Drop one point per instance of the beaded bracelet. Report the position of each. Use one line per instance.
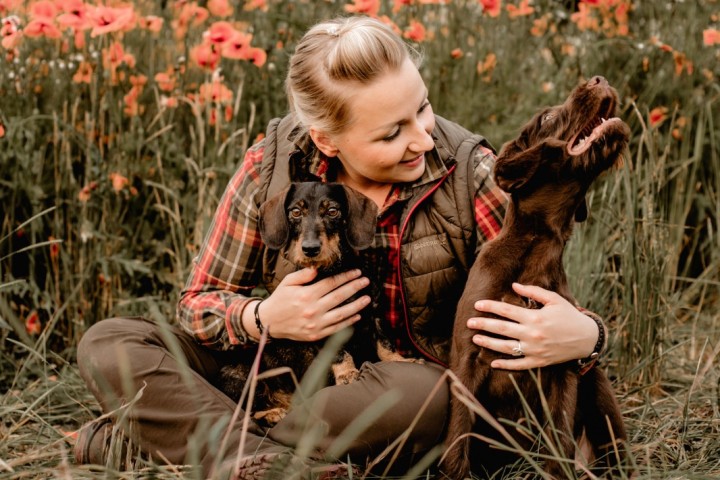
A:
(585, 364)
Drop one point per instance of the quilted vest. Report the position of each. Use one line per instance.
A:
(438, 228)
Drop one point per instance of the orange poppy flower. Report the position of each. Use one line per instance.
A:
(657, 116)
(238, 46)
(44, 9)
(251, 5)
(220, 8)
(2, 130)
(368, 7)
(42, 27)
(257, 56)
(522, 10)
(83, 73)
(75, 15)
(415, 32)
(32, 323)
(109, 19)
(152, 23)
(165, 81)
(220, 32)
(215, 92)
(711, 37)
(119, 181)
(205, 56)
(491, 7)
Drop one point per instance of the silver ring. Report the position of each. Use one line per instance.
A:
(518, 351)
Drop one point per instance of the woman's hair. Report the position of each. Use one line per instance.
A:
(330, 58)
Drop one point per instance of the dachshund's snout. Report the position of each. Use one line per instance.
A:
(311, 248)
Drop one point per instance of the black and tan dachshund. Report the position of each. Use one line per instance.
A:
(324, 226)
(546, 170)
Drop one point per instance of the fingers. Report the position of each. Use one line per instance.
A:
(537, 293)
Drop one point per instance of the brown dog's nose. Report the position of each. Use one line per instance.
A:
(597, 80)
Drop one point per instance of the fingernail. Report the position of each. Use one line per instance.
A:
(471, 323)
(366, 300)
(365, 282)
(479, 305)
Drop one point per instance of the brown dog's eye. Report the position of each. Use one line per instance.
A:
(547, 117)
(333, 212)
(295, 212)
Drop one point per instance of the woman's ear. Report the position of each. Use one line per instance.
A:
(323, 142)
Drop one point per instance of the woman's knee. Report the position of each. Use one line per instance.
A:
(108, 354)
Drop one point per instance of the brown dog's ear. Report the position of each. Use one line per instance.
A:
(362, 219)
(515, 167)
(581, 212)
(273, 222)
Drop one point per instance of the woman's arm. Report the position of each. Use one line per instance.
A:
(215, 306)
(556, 333)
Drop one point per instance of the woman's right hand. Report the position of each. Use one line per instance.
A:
(302, 312)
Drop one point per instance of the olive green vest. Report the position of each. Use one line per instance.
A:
(438, 228)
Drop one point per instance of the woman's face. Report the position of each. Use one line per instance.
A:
(389, 132)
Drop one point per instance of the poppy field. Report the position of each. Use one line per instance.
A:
(121, 123)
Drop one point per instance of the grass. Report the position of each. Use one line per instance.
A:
(109, 184)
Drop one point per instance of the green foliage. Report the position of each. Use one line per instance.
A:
(108, 186)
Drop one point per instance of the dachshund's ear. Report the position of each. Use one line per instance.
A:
(581, 212)
(273, 223)
(362, 219)
(516, 166)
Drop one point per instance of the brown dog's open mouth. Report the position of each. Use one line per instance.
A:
(594, 130)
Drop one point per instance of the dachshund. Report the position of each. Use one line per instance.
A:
(546, 171)
(324, 226)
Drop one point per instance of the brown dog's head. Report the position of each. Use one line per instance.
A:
(317, 224)
(562, 150)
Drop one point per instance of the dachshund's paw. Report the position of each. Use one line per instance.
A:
(347, 377)
(271, 416)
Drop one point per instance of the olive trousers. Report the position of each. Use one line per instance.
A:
(163, 383)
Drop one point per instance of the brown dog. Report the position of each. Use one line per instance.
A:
(323, 226)
(547, 170)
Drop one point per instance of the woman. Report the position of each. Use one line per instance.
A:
(360, 116)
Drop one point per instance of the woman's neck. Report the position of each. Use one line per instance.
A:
(377, 192)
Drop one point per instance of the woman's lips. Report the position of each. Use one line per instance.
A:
(413, 162)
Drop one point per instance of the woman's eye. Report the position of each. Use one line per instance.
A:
(392, 136)
(295, 212)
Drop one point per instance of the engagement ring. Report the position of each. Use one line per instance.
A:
(518, 351)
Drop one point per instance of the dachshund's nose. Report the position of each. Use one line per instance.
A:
(597, 80)
(311, 249)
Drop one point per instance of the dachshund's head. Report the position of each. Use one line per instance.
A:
(317, 224)
(562, 150)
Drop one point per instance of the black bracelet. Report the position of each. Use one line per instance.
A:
(258, 323)
(584, 364)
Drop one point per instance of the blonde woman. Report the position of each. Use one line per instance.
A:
(360, 115)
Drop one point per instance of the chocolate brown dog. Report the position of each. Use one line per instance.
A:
(323, 226)
(546, 170)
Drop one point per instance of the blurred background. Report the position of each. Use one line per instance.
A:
(120, 124)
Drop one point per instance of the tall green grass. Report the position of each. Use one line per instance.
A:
(75, 250)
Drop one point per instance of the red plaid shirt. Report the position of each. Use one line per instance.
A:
(228, 266)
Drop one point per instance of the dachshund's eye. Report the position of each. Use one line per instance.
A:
(295, 212)
(332, 212)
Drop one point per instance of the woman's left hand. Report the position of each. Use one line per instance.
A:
(556, 333)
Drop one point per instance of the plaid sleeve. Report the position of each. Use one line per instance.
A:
(228, 265)
(490, 200)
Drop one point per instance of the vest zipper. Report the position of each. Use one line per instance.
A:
(399, 268)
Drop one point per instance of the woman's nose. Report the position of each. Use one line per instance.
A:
(422, 140)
